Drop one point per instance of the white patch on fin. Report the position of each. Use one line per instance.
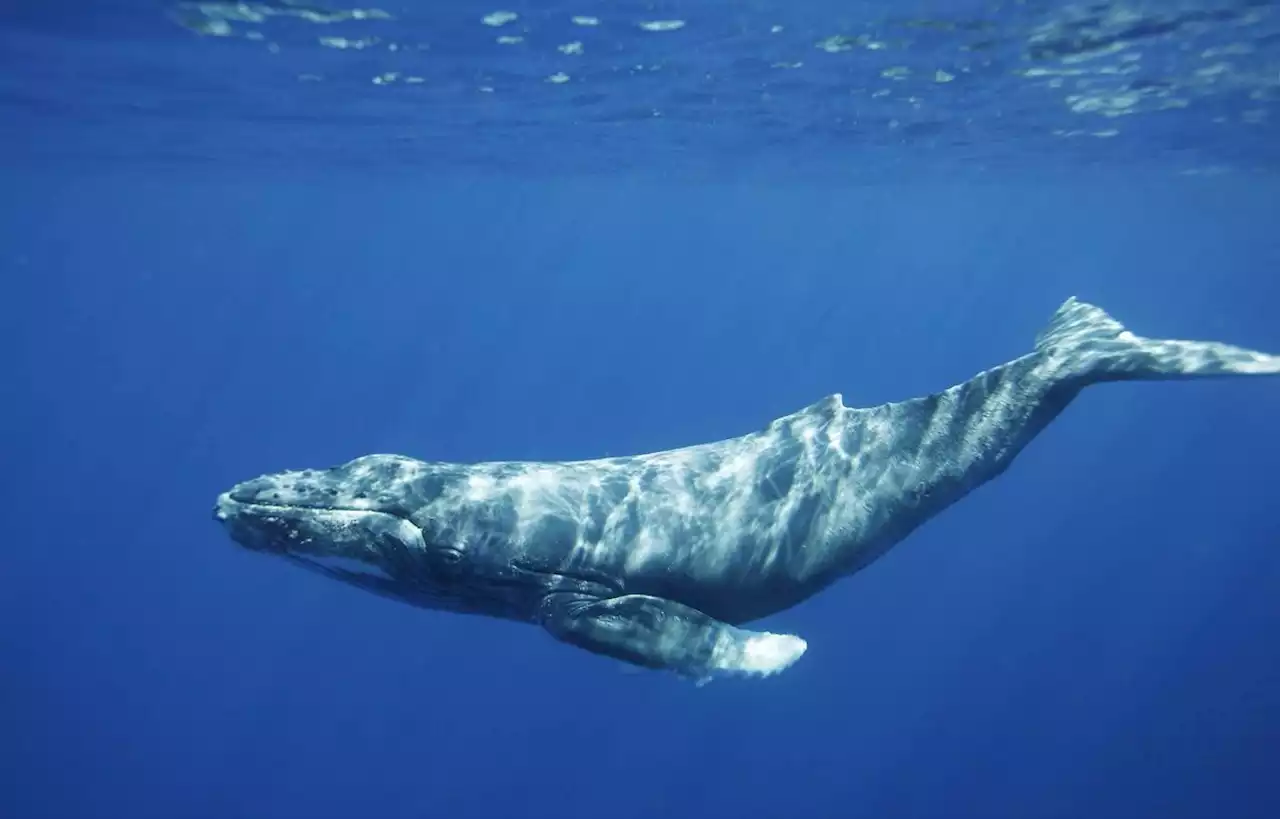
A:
(754, 654)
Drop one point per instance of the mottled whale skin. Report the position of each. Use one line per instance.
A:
(659, 559)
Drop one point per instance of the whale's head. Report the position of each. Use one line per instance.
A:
(359, 523)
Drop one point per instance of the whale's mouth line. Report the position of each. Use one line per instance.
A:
(227, 499)
(235, 513)
(298, 507)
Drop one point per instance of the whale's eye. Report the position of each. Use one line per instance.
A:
(451, 557)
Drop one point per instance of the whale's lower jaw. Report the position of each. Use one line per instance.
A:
(350, 542)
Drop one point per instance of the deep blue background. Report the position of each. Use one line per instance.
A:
(228, 255)
(1094, 634)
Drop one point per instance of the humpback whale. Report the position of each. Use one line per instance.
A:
(660, 559)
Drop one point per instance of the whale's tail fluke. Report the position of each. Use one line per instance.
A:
(1088, 344)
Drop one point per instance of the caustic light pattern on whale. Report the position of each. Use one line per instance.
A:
(659, 559)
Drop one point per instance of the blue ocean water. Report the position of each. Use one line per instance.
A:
(238, 238)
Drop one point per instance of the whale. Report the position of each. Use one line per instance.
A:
(663, 560)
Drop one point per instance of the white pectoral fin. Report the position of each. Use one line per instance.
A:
(656, 633)
(755, 653)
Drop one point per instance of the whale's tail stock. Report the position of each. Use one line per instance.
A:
(1088, 344)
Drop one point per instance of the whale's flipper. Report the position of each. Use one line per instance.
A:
(1089, 344)
(656, 633)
